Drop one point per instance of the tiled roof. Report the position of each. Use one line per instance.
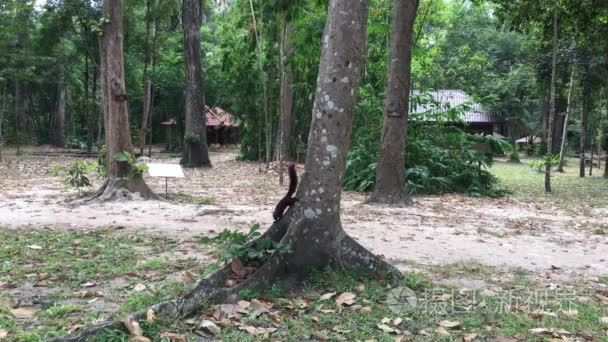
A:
(218, 117)
(448, 98)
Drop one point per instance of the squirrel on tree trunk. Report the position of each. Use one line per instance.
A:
(287, 201)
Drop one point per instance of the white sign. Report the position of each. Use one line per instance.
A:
(165, 170)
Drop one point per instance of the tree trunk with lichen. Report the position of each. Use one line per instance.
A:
(196, 151)
(122, 182)
(312, 228)
(390, 172)
(282, 149)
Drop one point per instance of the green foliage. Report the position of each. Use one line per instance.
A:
(514, 153)
(77, 174)
(235, 244)
(539, 165)
(137, 169)
(192, 139)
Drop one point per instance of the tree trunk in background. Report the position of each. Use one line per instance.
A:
(59, 127)
(283, 150)
(591, 157)
(560, 167)
(587, 103)
(196, 151)
(146, 82)
(19, 107)
(552, 105)
(390, 172)
(2, 112)
(122, 181)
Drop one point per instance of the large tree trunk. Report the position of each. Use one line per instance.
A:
(122, 182)
(552, 104)
(390, 172)
(560, 167)
(59, 127)
(587, 105)
(282, 149)
(196, 151)
(312, 228)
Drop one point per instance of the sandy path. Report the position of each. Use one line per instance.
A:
(436, 230)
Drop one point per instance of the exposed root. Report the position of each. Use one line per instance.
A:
(395, 199)
(124, 190)
(353, 257)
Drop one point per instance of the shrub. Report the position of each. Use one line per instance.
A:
(77, 174)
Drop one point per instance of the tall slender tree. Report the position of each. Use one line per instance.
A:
(390, 172)
(59, 127)
(147, 84)
(196, 151)
(552, 101)
(123, 181)
(560, 167)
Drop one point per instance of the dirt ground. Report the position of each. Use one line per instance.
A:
(436, 230)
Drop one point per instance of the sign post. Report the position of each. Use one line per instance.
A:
(165, 171)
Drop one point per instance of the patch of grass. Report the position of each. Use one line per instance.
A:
(189, 199)
(469, 269)
(71, 258)
(570, 192)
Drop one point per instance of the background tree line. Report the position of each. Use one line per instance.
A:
(260, 61)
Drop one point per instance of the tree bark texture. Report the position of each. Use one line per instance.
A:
(122, 182)
(560, 167)
(196, 151)
(390, 171)
(146, 82)
(587, 105)
(552, 101)
(59, 122)
(283, 150)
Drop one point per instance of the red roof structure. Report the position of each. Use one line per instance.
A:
(218, 117)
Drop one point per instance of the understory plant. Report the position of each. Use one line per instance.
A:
(235, 244)
(440, 156)
(77, 175)
(137, 169)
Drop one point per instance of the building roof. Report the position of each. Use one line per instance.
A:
(450, 98)
(218, 117)
(528, 139)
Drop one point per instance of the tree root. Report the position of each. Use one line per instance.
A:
(124, 190)
(347, 254)
(398, 200)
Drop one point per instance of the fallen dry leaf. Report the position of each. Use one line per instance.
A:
(36, 247)
(470, 337)
(300, 303)
(346, 298)
(132, 326)
(88, 284)
(327, 296)
(258, 304)
(360, 287)
(71, 328)
(397, 321)
(188, 277)
(139, 339)
(210, 327)
(385, 328)
(251, 330)
(385, 320)
(150, 316)
(3, 333)
(442, 332)
(23, 313)
(604, 321)
(570, 313)
(320, 335)
(139, 287)
(450, 324)
(505, 339)
(366, 309)
(174, 337)
(340, 330)
(240, 270)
